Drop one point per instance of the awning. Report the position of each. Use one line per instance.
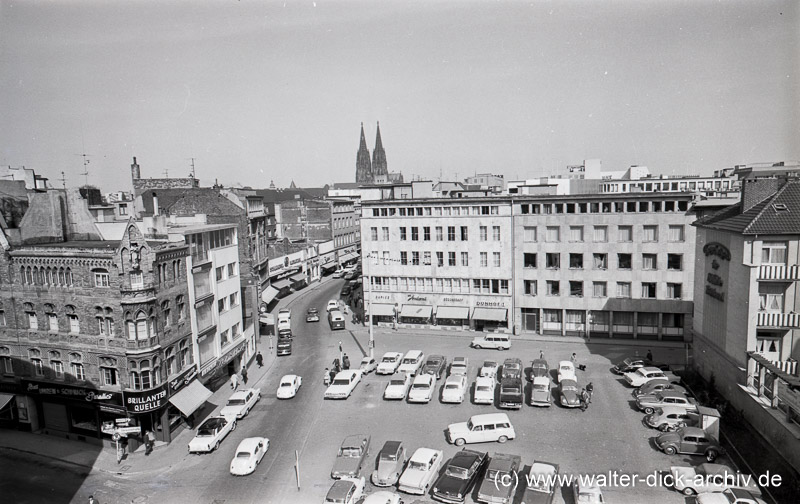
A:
(269, 294)
(348, 256)
(328, 266)
(452, 312)
(417, 311)
(267, 318)
(495, 314)
(382, 309)
(5, 399)
(281, 284)
(190, 398)
(297, 278)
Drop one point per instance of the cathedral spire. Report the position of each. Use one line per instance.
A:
(379, 156)
(363, 165)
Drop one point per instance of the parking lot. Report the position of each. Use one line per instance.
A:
(607, 439)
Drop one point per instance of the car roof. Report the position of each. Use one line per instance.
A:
(424, 378)
(339, 489)
(391, 447)
(455, 379)
(347, 374)
(512, 360)
(569, 381)
(413, 353)
(240, 394)
(538, 380)
(484, 380)
(389, 354)
(671, 393)
(435, 357)
(465, 458)
(490, 417)
(249, 444)
(649, 369)
(458, 360)
(542, 467)
(423, 454)
(502, 461)
(354, 441)
(565, 363)
(288, 377)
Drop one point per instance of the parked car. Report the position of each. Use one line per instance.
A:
(540, 391)
(332, 305)
(422, 389)
(389, 363)
(422, 469)
(494, 341)
(312, 315)
(343, 384)
(649, 403)
(284, 346)
(391, 460)
(383, 497)
(412, 362)
(566, 371)
(539, 488)
(729, 496)
(570, 394)
(289, 386)
(501, 468)
(338, 273)
(689, 441)
(645, 374)
(349, 275)
(240, 403)
(368, 365)
(709, 477)
(511, 393)
(539, 368)
(484, 390)
(454, 389)
(435, 365)
(668, 418)
(345, 290)
(248, 455)
(285, 327)
(398, 386)
(586, 494)
(459, 476)
(481, 429)
(489, 369)
(210, 433)
(512, 368)
(631, 364)
(459, 365)
(346, 491)
(285, 314)
(654, 386)
(351, 456)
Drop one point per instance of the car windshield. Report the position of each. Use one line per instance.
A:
(243, 454)
(351, 452)
(483, 388)
(341, 381)
(286, 384)
(457, 472)
(452, 386)
(205, 431)
(389, 359)
(235, 402)
(512, 366)
(539, 482)
(409, 361)
(511, 389)
(541, 386)
(495, 475)
(419, 466)
(420, 386)
(397, 382)
(389, 456)
(566, 368)
(568, 386)
(489, 364)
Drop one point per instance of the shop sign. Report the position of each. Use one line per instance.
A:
(66, 391)
(382, 297)
(111, 408)
(453, 300)
(414, 297)
(185, 378)
(223, 360)
(147, 401)
(714, 282)
(491, 304)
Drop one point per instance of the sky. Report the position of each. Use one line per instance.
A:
(261, 91)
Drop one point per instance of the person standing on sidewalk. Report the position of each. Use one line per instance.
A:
(149, 442)
(259, 359)
(327, 379)
(650, 355)
(244, 375)
(234, 381)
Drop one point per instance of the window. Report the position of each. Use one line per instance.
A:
(623, 289)
(415, 258)
(8, 364)
(234, 299)
(109, 375)
(599, 289)
(402, 233)
(52, 322)
(649, 261)
(625, 234)
(529, 260)
(675, 262)
(181, 307)
(648, 290)
(137, 280)
(385, 233)
(185, 354)
(58, 369)
(624, 261)
(674, 290)
(530, 287)
(496, 259)
(404, 258)
(2, 318)
(464, 233)
(100, 278)
(220, 273)
(414, 233)
(553, 288)
(426, 233)
(386, 257)
(439, 235)
(601, 234)
(76, 367)
(426, 258)
(33, 323)
(373, 233)
(464, 259)
(773, 253)
(576, 261)
(440, 258)
(231, 269)
(676, 233)
(451, 233)
(650, 233)
(496, 233)
(529, 234)
(484, 259)
(484, 233)
(576, 233)
(600, 261)
(552, 260)
(553, 234)
(770, 297)
(451, 258)
(222, 305)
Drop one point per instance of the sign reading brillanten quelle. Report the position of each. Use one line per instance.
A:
(146, 401)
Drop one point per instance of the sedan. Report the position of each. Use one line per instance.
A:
(383, 497)
(397, 388)
(346, 491)
(566, 370)
(435, 365)
(459, 476)
(368, 365)
(540, 391)
(332, 305)
(570, 395)
(351, 456)
(422, 389)
(501, 468)
(391, 460)
(654, 386)
(459, 365)
(343, 384)
(248, 455)
(454, 389)
(240, 403)
(587, 494)
(489, 369)
(338, 273)
(389, 363)
(540, 483)
(484, 390)
(711, 478)
(512, 368)
(312, 315)
(289, 386)
(649, 403)
(633, 363)
(539, 368)
(729, 496)
(422, 468)
(690, 441)
(647, 374)
(210, 433)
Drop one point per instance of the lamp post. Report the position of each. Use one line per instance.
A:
(368, 300)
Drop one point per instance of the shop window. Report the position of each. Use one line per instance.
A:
(83, 418)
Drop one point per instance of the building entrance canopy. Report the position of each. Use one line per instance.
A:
(190, 398)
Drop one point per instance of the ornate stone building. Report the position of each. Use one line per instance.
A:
(375, 171)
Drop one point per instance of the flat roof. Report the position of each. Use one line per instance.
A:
(200, 228)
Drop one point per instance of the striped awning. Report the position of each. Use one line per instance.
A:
(493, 314)
(348, 256)
(416, 311)
(452, 312)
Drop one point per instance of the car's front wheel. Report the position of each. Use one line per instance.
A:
(648, 411)
(711, 455)
(460, 442)
(478, 347)
(216, 446)
(670, 450)
(502, 439)
(233, 427)
(688, 491)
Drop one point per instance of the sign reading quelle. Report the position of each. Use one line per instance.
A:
(147, 401)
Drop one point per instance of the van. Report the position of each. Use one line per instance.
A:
(335, 319)
(411, 362)
(481, 429)
(495, 341)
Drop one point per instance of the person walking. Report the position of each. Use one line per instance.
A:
(327, 379)
(574, 358)
(260, 359)
(541, 354)
(650, 355)
(584, 400)
(345, 362)
(589, 391)
(244, 375)
(149, 442)
(332, 375)
(234, 381)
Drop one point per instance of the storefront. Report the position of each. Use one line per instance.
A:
(383, 314)
(187, 396)
(348, 257)
(327, 263)
(489, 319)
(213, 375)
(8, 414)
(416, 314)
(452, 316)
(149, 408)
(298, 281)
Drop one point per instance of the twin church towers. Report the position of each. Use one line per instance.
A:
(374, 171)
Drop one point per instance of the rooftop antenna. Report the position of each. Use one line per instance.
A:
(192, 160)
(84, 156)
(63, 180)
(166, 172)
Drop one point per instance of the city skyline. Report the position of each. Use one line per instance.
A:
(263, 92)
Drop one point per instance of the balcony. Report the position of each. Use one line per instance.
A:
(778, 320)
(779, 273)
(141, 344)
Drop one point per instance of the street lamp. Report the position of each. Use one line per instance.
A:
(369, 312)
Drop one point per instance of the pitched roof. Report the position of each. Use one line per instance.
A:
(778, 214)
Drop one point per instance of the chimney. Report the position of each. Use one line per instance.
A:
(756, 190)
(135, 172)
(155, 204)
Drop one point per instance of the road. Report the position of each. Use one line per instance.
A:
(33, 479)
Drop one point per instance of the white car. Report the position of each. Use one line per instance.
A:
(484, 390)
(454, 389)
(289, 386)
(489, 369)
(368, 365)
(421, 471)
(711, 478)
(422, 389)
(647, 374)
(211, 433)
(343, 384)
(412, 362)
(389, 363)
(346, 491)
(585, 494)
(459, 365)
(338, 273)
(248, 455)
(729, 496)
(240, 403)
(383, 497)
(284, 325)
(332, 305)
(566, 370)
(397, 387)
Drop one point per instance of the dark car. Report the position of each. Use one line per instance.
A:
(345, 291)
(312, 315)
(512, 368)
(631, 364)
(459, 476)
(539, 368)
(501, 468)
(284, 346)
(540, 484)
(511, 395)
(690, 441)
(435, 365)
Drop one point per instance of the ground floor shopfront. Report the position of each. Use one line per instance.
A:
(621, 324)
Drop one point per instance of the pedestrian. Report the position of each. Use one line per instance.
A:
(327, 379)
(260, 359)
(650, 355)
(584, 400)
(333, 375)
(345, 362)
(541, 354)
(92, 500)
(574, 358)
(590, 391)
(336, 366)
(234, 381)
(150, 441)
(244, 375)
